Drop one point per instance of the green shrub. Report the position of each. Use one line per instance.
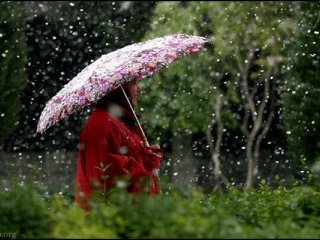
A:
(254, 213)
(72, 222)
(24, 213)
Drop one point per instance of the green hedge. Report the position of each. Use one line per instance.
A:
(255, 213)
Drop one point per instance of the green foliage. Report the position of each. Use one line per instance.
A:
(182, 93)
(253, 27)
(186, 92)
(71, 222)
(301, 89)
(13, 59)
(254, 213)
(315, 174)
(24, 212)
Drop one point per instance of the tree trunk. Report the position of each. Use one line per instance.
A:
(252, 160)
(260, 126)
(215, 146)
(184, 167)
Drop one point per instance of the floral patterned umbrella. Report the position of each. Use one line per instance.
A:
(136, 61)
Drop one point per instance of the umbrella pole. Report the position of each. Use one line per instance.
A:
(135, 116)
(155, 171)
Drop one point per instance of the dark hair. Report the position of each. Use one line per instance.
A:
(116, 96)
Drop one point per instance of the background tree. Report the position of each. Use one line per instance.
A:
(13, 60)
(301, 88)
(227, 92)
(255, 55)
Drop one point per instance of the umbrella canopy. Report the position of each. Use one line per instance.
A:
(133, 62)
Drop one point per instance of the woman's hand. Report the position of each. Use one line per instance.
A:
(155, 147)
(156, 150)
(152, 157)
(155, 173)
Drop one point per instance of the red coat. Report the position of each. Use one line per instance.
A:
(108, 143)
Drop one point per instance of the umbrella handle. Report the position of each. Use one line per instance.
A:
(135, 116)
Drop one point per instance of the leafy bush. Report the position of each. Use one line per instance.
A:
(24, 212)
(255, 213)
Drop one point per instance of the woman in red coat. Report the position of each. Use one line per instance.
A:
(111, 147)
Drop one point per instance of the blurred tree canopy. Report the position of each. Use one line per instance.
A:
(239, 76)
(301, 90)
(196, 80)
(13, 60)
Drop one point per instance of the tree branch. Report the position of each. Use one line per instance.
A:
(244, 70)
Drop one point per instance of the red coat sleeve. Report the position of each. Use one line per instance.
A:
(141, 164)
(152, 158)
(105, 158)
